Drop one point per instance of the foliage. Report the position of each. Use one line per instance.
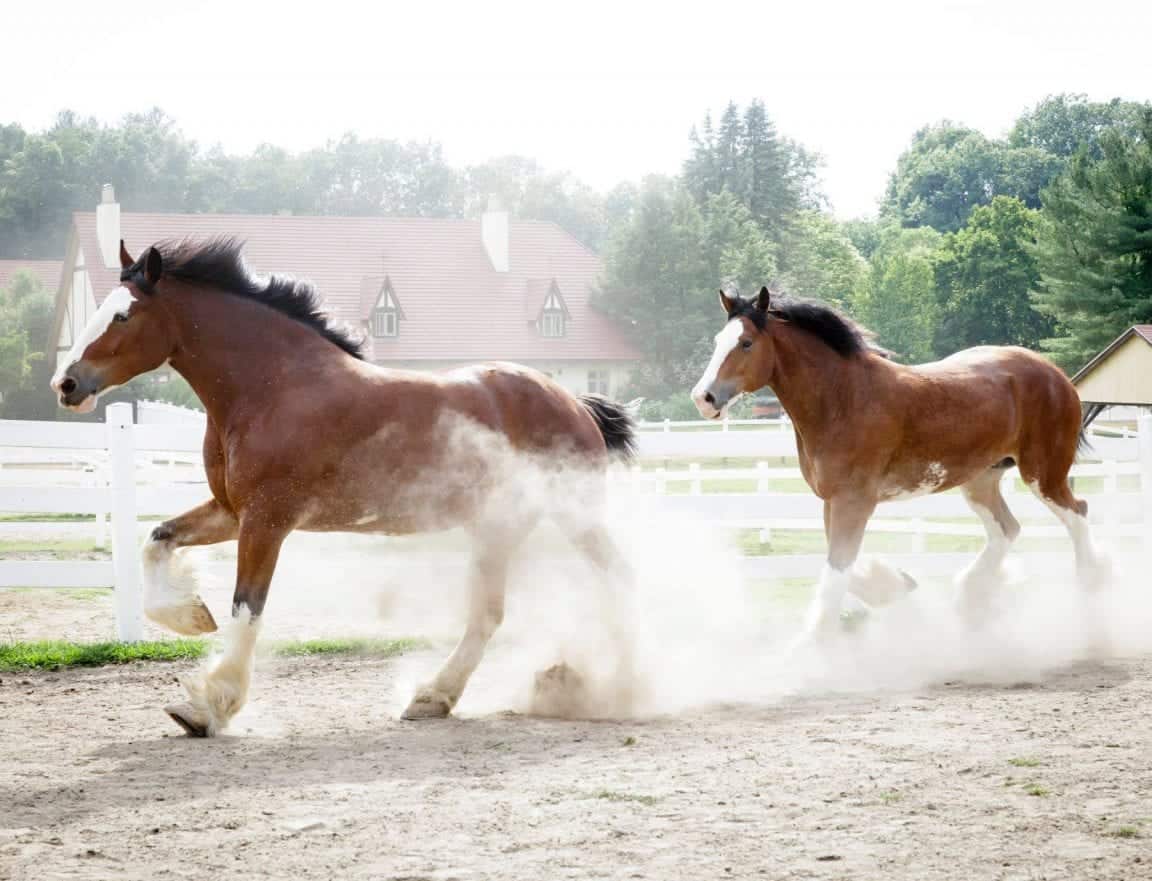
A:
(948, 170)
(984, 276)
(25, 364)
(45, 176)
(1064, 124)
(1094, 246)
(820, 261)
(897, 301)
(662, 272)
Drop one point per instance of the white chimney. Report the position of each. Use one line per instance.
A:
(494, 233)
(108, 227)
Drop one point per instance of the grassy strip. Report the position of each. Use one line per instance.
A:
(56, 654)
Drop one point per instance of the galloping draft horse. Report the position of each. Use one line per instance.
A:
(304, 434)
(869, 430)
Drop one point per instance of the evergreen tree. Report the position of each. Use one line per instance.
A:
(1094, 246)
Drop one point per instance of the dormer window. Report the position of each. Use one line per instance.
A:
(386, 315)
(552, 316)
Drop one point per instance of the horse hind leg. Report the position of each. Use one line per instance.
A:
(488, 574)
(984, 573)
(171, 592)
(1093, 571)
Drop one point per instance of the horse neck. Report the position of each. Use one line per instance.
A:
(812, 381)
(233, 351)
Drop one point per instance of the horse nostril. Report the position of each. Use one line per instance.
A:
(710, 399)
(67, 385)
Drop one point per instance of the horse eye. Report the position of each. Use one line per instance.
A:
(120, 316)
(745, 345)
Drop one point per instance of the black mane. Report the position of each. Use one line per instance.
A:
(839, 332)
(218, 263)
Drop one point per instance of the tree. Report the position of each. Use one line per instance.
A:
(820, 261)
(773, 177)
(662, 271)
(984, 276)
(949, 170)
(1064, 124)
(1094, 245)
(897, 301)
(25, 368)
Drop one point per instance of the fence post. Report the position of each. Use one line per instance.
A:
(125, 565)
(1144, 439)
(694, 474)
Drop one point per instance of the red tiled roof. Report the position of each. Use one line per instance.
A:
(456, 306)
(47, 271)
(1145, 330)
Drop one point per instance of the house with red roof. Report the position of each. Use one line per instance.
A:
(427, 292)
(1121, 374)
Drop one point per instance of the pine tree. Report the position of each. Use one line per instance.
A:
(729, 141)
(1094, 246)
(765, 184)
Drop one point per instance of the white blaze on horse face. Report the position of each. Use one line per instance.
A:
(117, 302)
(726, 341)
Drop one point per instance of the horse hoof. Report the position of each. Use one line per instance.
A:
(427, 705)
(192, 720)
(191, 619)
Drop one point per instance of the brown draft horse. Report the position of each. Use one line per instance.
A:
(304, 434)
(869, 430)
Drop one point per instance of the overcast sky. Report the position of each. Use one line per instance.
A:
(608, 91)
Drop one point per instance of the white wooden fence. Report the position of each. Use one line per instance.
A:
(114, 469)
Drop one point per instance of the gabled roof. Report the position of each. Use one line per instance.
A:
(47, 272)
(1142, 331)
(536, 295)
(457, 307)
(371, 291)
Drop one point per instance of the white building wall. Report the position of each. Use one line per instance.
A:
(81, 307)
(572, 375)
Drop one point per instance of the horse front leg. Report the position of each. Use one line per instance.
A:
(845, 520)
(171, 592)
(221, 689)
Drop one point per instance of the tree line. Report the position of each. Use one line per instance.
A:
(1042, 238)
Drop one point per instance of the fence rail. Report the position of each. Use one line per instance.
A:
(120, 470)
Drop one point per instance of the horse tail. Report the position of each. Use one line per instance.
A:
(615, 422)
(1088, 413)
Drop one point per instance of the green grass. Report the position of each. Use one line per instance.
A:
(1024, 763)
(1126, 832)
(56, 654)
(376, 648)
(891, 797)
(1035, 789)
(613, 795)
(47, 518)
(56, 546)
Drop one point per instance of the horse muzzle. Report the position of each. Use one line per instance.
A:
(713, 402)
(76, 389)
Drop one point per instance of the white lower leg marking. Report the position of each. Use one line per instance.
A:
(995, 547)
(1091, 566)
(824, 611)
(222, 690)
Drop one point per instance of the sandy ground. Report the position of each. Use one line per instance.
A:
(323, 782)
(915, 751)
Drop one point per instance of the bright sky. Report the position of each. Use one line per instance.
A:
(608, 91)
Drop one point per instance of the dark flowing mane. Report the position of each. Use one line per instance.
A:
(218, 262)
(839, 332)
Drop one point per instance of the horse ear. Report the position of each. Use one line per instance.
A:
(153, 266)
(764, 300)
(727, 302)
(125, 258)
